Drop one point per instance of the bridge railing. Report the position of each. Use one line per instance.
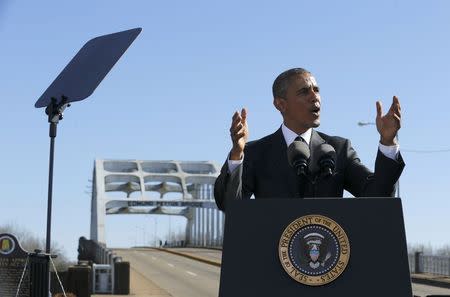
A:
(90, 250)
(419, 263)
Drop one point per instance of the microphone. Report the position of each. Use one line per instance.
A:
(326, 156)
(298, 155)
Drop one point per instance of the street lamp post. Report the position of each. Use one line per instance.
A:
(362, 124)
(156, 229)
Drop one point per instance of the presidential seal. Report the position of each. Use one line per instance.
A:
(314, 250)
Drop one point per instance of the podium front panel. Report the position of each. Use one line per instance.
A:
(378, 262)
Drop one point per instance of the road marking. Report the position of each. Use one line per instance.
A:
(171, 265)
(191, 273)
(154, 258)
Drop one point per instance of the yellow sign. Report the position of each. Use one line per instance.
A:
(7, 245)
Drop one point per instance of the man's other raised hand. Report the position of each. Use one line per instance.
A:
(389, 124)
(239, 134)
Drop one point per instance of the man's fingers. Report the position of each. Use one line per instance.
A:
(244, 114)
(236, 119)
(395, 101)
(240, 135)
(238, 127)
(235, 115)
(379, 109)
(395, 106)
(398, 119)
(235, 122)
(397, 112)
(235, 129)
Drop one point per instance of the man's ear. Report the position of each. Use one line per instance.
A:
(279, 104)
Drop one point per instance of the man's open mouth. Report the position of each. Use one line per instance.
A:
(316, 111)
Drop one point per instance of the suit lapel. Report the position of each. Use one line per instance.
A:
(281, 164)
(314, 144)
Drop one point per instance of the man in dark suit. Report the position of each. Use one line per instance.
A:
(261, 168)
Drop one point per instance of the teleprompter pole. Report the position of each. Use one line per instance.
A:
(55, 113)
(50, 187)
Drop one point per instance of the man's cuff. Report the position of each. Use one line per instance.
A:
(233, 164)
(390, 151)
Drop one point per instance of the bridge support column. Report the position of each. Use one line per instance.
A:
(98, 209)
(189, 226)
(197, 226)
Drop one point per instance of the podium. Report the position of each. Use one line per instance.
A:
(315, 248)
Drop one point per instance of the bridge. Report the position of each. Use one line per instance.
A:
(173, 188)
(176, 188)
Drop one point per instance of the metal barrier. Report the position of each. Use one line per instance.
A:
(435, 265)
(419, 263)
(412, 267)
(122, 278)
(39, 274)
(90, 250)
(102, 278)
(79, 280)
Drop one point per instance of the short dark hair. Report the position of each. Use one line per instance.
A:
(281, 83)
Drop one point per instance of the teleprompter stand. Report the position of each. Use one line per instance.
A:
(251, 259)
(76, 82)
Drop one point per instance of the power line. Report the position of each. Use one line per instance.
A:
(425, 151)
(447, 150)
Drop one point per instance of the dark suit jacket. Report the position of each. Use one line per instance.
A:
(266, 173)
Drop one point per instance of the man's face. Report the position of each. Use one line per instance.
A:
(301, 107)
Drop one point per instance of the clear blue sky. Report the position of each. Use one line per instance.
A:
(172, 94)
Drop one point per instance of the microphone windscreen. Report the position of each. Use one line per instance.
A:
(322, 152)
(326, 150)
(297, 150)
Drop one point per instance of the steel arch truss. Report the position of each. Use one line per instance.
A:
(158, 187)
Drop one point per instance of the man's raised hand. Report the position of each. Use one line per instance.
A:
(239, 134)
(389, 124)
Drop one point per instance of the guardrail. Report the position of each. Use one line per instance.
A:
(419, 263)
(90, 250)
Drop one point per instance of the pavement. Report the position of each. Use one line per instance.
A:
(140, 286)
(207, 256)
(431, 280)
(211, 257)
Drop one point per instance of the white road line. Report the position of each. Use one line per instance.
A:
(154, 258)
(191, 273)
(171, 265)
